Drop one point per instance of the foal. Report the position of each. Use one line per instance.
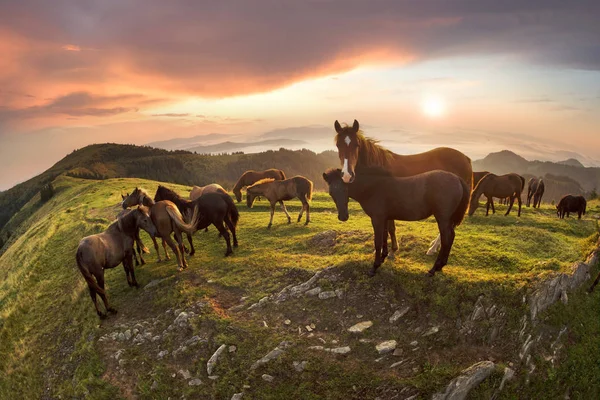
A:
(277, 191)
(384, 198)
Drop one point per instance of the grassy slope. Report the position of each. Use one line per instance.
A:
(49, 332)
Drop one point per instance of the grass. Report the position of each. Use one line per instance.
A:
(49, 331)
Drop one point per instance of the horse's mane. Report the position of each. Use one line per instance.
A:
(261, 181)
(478, 188)
(370, 151)
(374, 170)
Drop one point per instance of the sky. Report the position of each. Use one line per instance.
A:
(477, 75)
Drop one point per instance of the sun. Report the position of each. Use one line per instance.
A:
(433, 106)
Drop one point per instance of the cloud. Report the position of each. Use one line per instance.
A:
(172, 115)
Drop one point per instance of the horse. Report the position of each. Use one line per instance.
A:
(251, 177)
(110, 248)
(477, 175)
(492, 185)
(385, 198)
(138, 241)
(535, 190)
(355, 151)
(213, 208)
(569, 204)
(277, 191)
(167, 219)
(198, 191)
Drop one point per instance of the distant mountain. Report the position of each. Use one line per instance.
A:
(572, 162)
(188, 142)
(256, 146)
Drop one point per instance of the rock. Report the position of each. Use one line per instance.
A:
(414, 343)
(268, 378)
(155, 338)
(308, 328)
(397, 352)
(509, 374)
(327, 295)
(154, 283)
(339, 293)
(396, 364)
(365, 340)
(563, 297)
(287, 322)
(162, 354)
(469, 378)
(324, 239)
(316, 348)
(118, 354)
(121, 337)
(314, 291)
(182, 319)
(213, 377)
(154, 385)
(273, 354)
(298, 290)
(341, 350)
(122, 362)
(399, 314)
(195, 382)
(237, 396)
(212, 362)
(479, 309)
(299, 365)
(386, 347)
(431, 331)
(185, 374)
(360, 327)
(232, 349)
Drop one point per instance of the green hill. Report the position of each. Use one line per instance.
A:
(52, 345)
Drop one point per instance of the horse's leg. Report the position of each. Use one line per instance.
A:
(287, 214)
(594, 284)
(95, 301)
(512, 200)
(168, 240)
(192, 249)
(225, 234)
(519, 201)
(134, 255)
(272, 212)
(392, 232)
(384, 251)
(156, 248)
(164, 244)
(231, 227)
(308, 216)
(301, 210)
(447, 237)
(131, 269)
(378, 229)
(100, 280)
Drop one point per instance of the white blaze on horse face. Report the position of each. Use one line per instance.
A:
(345, 173)
(347, 140)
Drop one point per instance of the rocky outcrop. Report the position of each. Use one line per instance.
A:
(469, 378)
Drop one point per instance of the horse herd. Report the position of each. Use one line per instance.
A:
(388, 187)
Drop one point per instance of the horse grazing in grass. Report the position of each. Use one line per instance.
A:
(535, 191)
(212, 208)
(478, 175)
(356, 151)
(198, 191)
(250, 177)
(571, 204)
(387, 198)
(278, 191)
(492, 185)
(109, 249)
(167, 219)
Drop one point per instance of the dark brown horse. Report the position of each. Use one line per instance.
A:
(214, 208)
(535, 191)
(384, 198)
(167, 219)
(355, 150)
(571, 204)
(477, 175)
(251, 177)
(278, 191)
(492, 185)
(109, 249)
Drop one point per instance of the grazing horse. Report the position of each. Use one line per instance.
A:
(477, 175)
(492, 185)
(384, 197)
(535, 190)
(277, 191)
(355, 151)
(167, 219)
(109, 249)
(251, 177)
(198, 191)
(213, 208)
(569, 204)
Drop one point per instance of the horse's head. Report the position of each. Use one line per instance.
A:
(136, 197)
(346, 141)
(238, 195)
(473, 204)
(144, 221)
(338, 191)
(251, 195)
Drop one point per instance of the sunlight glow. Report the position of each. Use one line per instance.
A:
(433, 106)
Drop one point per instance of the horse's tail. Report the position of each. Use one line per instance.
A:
(310, 190)
(461, 209)
(87, 275)
(282, 175)
(177, 219)
(522, 182)
(232, 210)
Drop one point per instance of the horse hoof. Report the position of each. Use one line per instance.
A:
(289, 221)
(228, 253)
(431, 273)
(306, 223)
(371, 273)
(269, 226)
(235, 244)
(102, 316)
(112, 310)
(192, 253)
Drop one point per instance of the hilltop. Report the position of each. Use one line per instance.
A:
(287, 297)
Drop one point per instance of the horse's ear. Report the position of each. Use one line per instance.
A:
(338, 127)
(325, 177)
(123, 196)
(355, 126)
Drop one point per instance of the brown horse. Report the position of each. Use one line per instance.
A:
(251, 177)
(167, 219)
(477, 175)
(213, 208)
(198, 191)
(355, 150)
(571, 204)
(277, 191)
(384, 198)
(492, 185)
(109, 249)
(535, 191)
